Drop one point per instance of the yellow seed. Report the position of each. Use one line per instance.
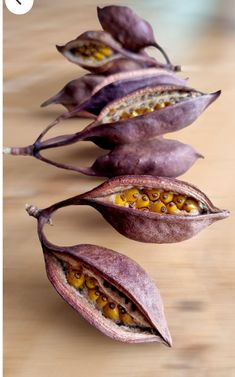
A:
(125, 317)
(168, 103)
(142, 201)
(134, 113)
(158, 207)
(141, 111)
(101, 301)
(179, 200)
(91, 282)
(153, 194)
(191, 206)
(110, 310)
(75, 278)
(172, 208)
(131, 195)
(93, 294)
(125, 115)
(166, 197)
(120, 200)
(106, 51)
(98, 56)
(159, 106)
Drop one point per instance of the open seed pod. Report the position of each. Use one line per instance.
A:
(142, 115)
(111, 291)
(156, 157)
(133, 32)
(152, 209)
(96, 51)
(91, 93)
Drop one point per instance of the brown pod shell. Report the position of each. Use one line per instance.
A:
(149, 125)
(98, 66)
(133, 32)
(116, 269)
(91, 93)
(76, 92)
(147, 226)
(157, 157)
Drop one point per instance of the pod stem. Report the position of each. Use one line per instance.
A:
(176, 68)
(19, 151)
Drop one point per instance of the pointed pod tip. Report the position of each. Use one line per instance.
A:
(59, 48)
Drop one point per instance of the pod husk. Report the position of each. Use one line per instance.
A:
(89, 94)
(132, 31)
(149, 226)
(120, 52)
(118, 270)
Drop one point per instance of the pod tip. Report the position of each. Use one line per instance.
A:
(59, 48)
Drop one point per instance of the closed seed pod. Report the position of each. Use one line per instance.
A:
(122, 284)
(76, 92)
(91, 93)
(154, 225)
(133, 32)
(97, 51)
(157, 157)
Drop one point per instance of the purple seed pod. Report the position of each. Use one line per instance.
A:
(156, 157)
(152, 209)
(108, 289)
(141, 115)
(96, 51)
(91, 93)
(133, 32)
(76, 92)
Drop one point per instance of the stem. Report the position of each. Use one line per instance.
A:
(19, 151)
(176, 68)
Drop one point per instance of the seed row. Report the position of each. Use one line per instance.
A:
(147, 104)
(90, 287)
(94, 51)
(159, 201)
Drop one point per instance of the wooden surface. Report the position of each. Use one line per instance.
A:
(43, 335)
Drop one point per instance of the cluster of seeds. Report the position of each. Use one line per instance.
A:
(92, 51)
(99, 294)
(147, 103)
(159, 201)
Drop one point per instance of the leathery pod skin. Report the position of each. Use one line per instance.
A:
(114, 127)
(97, 51)
(152, 224)
(122, 278)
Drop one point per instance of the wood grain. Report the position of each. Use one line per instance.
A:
(45, 337)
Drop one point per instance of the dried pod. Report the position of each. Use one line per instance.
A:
(141, 115)
(111, 291)
(91, 93)
(96, 51)
(176, 210)
(156, 157)
(133, 32)
(76, 92)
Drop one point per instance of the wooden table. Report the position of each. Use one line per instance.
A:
(43, 335)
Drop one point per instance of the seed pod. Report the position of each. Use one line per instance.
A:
(133, 32)
(91, 93)
(153, 225)
(124, 286)
(96, 51)
(157, 157)
(76, 92)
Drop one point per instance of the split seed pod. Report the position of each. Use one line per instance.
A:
(133, 32)
(89, 94)
(111, 291)
(156, 157)
(151, 209)
(96, 51)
